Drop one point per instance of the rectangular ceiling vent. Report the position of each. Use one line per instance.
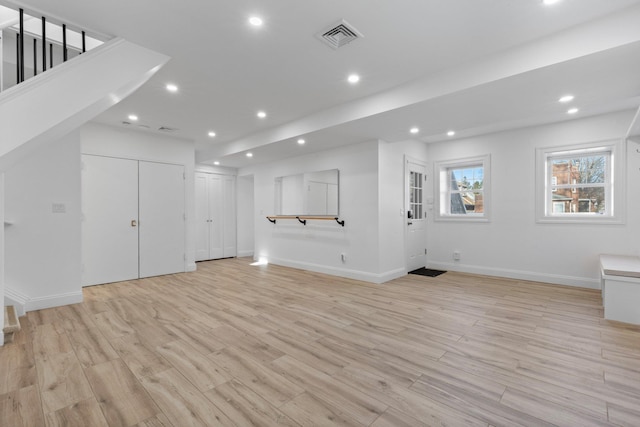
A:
(339, 34)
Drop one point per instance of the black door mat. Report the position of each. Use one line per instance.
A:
(427, 272)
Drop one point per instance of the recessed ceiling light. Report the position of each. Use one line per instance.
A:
(572, 111)
(171, 87)
(211, 134)
(261, 114)
(301, 141)
(566, 98)
(414, 130)
(451, 133)
(249, 154)
(353, 78)
(133, 117)
(256, 21)
(550, 2)
(217, 163)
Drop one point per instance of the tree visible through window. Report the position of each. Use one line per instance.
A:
(579, 183)
(463, 189)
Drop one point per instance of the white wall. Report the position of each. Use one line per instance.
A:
(318, 245)
(246, 215)
(43, 259)
(513, 244)
(103, 140)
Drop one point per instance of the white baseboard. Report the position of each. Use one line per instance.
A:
(247, 253)
(16, 299)
(24, 303)
(580, 282)
(54, 301)
(341, 272)
(191, 267)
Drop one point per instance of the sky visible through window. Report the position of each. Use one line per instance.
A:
(471, 177)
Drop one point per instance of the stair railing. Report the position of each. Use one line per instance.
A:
(50, 43)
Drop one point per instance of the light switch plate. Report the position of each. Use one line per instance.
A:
(58, 208)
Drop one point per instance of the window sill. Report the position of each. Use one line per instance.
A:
(581, 220)
(461, 218)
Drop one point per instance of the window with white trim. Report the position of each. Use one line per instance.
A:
(462, 188)
(580, 183)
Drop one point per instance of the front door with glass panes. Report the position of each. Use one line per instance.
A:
(415, 217)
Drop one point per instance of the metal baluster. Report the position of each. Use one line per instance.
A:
(35, 57)
(64, 43)
(44, 44)
(21, 44)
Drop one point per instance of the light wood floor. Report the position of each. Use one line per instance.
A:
(234, 344)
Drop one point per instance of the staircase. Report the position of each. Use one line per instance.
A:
(11, 323)
(45, 106)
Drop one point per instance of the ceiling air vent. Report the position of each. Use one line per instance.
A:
(166, 129)
(339, 34)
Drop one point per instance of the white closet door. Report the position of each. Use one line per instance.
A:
(110, 215)
(202, 216)
(216, 206)
(162, 220)
(229, 217)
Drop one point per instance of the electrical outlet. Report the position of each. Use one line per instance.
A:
(456, 255)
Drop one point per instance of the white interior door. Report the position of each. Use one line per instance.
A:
(215, 216)
(110, 215)
(162, 219)
(216, 204)
(416, 230)
(203, 219)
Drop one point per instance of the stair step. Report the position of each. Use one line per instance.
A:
(11, 323)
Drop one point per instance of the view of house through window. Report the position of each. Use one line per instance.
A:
(467, 190)
(579, 183)
(464, 189)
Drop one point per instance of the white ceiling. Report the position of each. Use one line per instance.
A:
(475, 66)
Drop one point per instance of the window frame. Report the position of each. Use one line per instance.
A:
(442, 189)
(614, 185)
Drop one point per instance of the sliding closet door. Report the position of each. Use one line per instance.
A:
(110, 216)
(162, 219)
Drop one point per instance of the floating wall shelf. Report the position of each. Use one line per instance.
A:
(303, 218)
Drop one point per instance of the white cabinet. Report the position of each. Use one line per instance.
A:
(133, 219)
(620, 280)
(215, 216)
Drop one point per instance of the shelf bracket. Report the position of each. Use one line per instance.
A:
(340, 222)
(272, 220)
(302, 221)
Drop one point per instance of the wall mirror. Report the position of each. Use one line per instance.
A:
(309, 193)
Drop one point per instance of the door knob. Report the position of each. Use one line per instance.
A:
(134, 223)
